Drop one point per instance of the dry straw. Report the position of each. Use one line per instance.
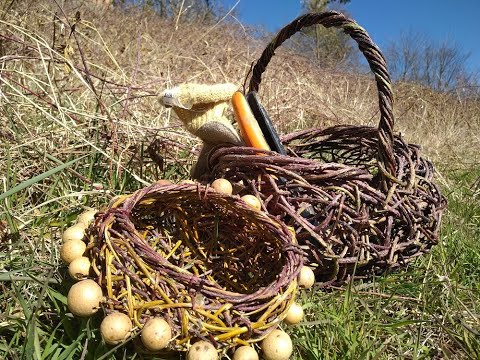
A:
(360, 199)
(211, 266)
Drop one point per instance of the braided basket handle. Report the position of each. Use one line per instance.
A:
(386, 160)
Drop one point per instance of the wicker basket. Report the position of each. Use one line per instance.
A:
(361, 200)
(210, 265)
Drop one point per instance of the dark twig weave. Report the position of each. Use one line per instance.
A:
(359, 197)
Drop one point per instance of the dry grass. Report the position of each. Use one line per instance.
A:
(121, 60)
(312, 97)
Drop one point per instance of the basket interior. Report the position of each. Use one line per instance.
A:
(214, 240)
(349, 145)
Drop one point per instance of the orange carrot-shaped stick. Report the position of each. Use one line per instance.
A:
(249, 128)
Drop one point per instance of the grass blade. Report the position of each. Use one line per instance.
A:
(38, 178)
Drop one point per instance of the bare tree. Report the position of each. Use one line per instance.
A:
(183, 10)
(329, 47)
(441, 66)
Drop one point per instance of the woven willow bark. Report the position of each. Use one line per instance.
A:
(361, 200)
(211, 266)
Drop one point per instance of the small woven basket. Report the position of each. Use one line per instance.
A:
(210, 265)
(361, 200)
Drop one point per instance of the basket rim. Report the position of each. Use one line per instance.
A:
(125, 205)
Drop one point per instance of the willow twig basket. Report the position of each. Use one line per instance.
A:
(360, 198)
(210, 265)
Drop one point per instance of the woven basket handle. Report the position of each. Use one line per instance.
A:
(386, 160)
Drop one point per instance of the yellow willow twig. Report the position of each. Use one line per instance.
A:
(118, 200)
(94, 266)
(186, 229)
(108, 273)
(121, 294)
(241, 342)
(185, 321)
(129, 297)
(160, 305)
(238, 331)
(225, 307)
(143, 267)
(210, 316)
(280, 300)
(177, 245)
(108, 241)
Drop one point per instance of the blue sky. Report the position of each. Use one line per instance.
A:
(385, 20)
